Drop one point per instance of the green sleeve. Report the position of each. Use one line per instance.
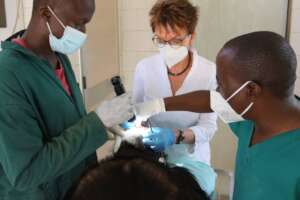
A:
(28, 162)
(26, 159)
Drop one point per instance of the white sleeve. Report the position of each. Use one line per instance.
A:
(207, 124)
(138, 85)
(205, 129)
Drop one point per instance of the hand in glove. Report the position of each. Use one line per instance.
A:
(145, 110)
(158, 139)
(115, 111)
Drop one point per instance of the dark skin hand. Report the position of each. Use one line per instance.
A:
(74, 13)
(272, 116)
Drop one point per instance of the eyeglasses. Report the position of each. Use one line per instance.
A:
(175, 43)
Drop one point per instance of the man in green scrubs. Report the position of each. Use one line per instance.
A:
(256, 73)
(46, 137)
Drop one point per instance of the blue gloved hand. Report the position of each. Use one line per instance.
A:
(158, 139)
(127, 125)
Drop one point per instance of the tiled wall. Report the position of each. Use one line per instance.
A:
(135, 36)
(27, 10)
(295, 36)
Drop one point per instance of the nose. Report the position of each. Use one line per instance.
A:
(169, 36)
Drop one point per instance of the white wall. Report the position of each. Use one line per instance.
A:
(295, 36)
(11, 13)
(135, 36)
(218, 23)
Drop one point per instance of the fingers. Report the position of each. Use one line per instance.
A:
(116, 130)
(149, 142)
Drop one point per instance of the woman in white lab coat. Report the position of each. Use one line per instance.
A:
(176, 70)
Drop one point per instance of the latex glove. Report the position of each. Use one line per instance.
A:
(115, 111)
(132, 135)
(159, 139)
(144, 110)
(127, 125)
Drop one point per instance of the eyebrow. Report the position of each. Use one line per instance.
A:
(175, 38)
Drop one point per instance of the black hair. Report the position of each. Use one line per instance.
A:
(123, 177)
(266, 58)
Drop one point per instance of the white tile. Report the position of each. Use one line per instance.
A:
(75, 58)
(136, 4)
(143, 20)
(129, 40)
(296, 4)
(297, 91)
(145, 54)
(295, 42)
(150, 3)
(128, 4)
(295, 21)
(129, 60)
(144, 4)
(144, 41)
(298, 68)
(28, 3)
(128, 20)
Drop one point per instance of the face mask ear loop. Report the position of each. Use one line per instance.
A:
(247, 109)
(59, 21)
(238, 90)
(49, 28)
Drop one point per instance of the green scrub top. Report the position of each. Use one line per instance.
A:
(46, 137)
(268, 170)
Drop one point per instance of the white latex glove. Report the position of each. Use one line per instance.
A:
(131, 136)
(115, 111)
(145, 110)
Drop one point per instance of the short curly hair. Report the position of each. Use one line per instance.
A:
(175, 13)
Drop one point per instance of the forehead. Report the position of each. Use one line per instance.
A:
(77, 9)
(226, 66)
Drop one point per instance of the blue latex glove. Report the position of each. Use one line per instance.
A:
(127, 125)
(159, 139)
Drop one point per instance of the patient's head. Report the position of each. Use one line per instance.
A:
(136, 174)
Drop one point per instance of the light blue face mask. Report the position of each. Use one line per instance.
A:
(71, 41)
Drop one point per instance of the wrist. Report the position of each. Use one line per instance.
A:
(189, 136)
(179, 136)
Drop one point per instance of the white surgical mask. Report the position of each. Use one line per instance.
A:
(173, 56)
(221, 106)
(71, 41)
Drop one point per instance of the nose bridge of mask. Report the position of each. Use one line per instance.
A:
(173, 56)
(56, 17)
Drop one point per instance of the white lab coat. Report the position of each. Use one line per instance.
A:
(151, 81)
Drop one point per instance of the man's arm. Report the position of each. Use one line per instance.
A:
(194, 102)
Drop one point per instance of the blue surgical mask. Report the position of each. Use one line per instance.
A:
(71, 41)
